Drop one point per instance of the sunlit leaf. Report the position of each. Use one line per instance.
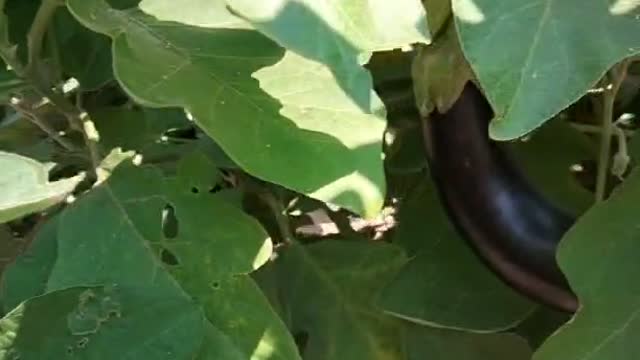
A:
(26, 188)
(534, 59)
(209, 72)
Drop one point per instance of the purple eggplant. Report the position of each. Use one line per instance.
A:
(512, 227)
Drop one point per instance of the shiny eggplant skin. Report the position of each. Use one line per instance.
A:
(510, 225)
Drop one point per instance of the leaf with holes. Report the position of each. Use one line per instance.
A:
(26, 188)
(207, 256)
(141, 130)
(535, 58)
(597, 255)
(86, 322)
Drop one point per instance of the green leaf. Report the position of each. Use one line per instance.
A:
(27, 276)
(140, 130)
(445, 284)
(26, 187)
(337, 34)
(85, 323)
(326, 53)
(215, 346)
(20, 14)
(541, 324)
(20, 136)
(423, 343)
(83, 54)
(204, 13)
(597, 255)
(560, 146)
(313, 100)
(534, 59)
(11, 245)
(208, 227)
(209, 72)
(215, 245)
(326, 292)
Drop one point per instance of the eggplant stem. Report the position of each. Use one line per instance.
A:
(617, 75)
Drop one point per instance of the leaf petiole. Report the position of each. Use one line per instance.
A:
(617, 75)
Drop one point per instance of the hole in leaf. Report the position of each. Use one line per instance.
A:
(301, 338)
(188, 133)
(195, 190)
(214, 189)
(215, 285)
(82, 342)
(114, 314)
(169, 222)
(168, 257)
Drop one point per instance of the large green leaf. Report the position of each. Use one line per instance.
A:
(85, 323)
(598, 256)
(331, 43)
(425, 343)
(313, 100)
(26, 188)
(114, 235)
(445, 284)
(325, 292)
(338, 34)
(209, 72)
(534, 59)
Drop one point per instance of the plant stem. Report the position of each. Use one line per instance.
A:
(35, 119)
(595, 129)
(279, 213)
(36, 34)
(56, 59)
(617, 75)
(78, 119)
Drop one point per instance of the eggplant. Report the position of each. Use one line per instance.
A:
(513, 228)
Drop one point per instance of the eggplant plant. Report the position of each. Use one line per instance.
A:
(319, 180)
